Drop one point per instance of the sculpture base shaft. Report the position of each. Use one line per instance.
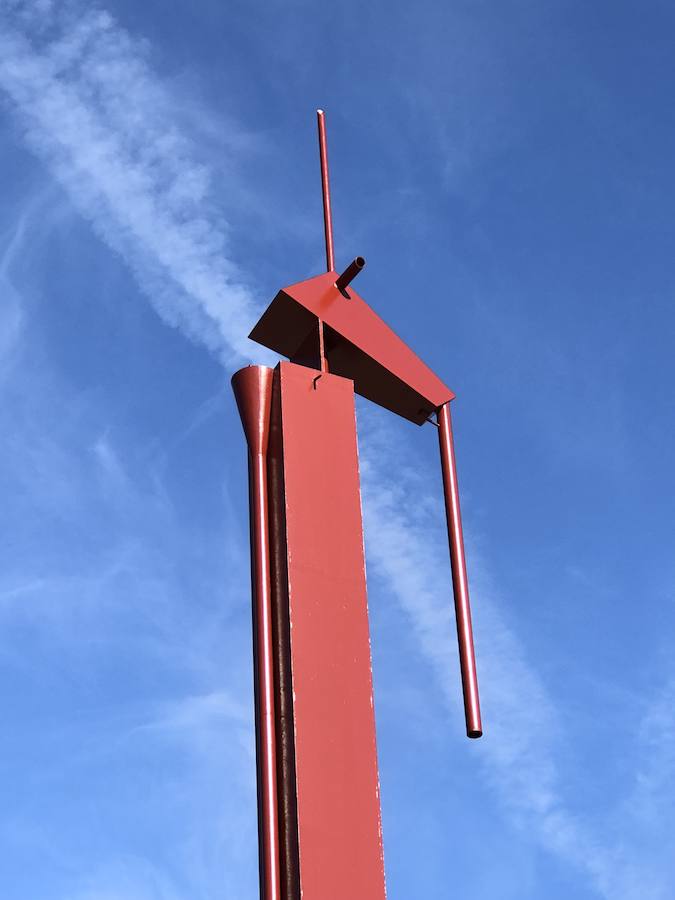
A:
(330, 827)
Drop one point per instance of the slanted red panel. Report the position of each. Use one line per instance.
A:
(336, 776)
(361, 346)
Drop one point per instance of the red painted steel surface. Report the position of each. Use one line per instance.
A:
(252, 388)
(467, 658)
(359, 345)
(286, 777)
(325, 190)
(336, 777)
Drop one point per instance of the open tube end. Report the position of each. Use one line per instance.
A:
(350, 274)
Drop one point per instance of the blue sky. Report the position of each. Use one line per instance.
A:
(506, 169)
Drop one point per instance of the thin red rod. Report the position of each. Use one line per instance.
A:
(253, 391)
(325, 188)
(460, 584)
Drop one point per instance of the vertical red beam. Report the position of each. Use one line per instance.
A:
(252, 388)
(334, 810)
(460, 584)
(325, 190)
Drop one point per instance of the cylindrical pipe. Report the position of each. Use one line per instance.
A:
(350, 273)
(460, 584)
(325, 190)
(252, 388)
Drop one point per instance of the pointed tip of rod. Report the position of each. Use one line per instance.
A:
(320, 112)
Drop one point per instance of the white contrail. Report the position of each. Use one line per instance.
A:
(519, 755)
(91, 108)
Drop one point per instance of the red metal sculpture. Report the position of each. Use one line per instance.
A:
(320, 833)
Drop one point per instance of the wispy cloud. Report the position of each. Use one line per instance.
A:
(135, 879)
(91, 108)
(88, 600)
(11, 312)
(524, 742)
(115, 609)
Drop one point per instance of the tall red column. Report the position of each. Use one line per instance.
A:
(253, 391)
(319, 797)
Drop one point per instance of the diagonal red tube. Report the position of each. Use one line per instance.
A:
(460, 584)
(252, 388)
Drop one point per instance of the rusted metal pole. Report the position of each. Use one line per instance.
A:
(460, 584)
(325, 189)
(252, 388)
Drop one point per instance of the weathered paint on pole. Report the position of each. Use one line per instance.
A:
(460, 583)
(331, 791)
(252, 388)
